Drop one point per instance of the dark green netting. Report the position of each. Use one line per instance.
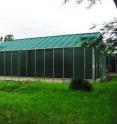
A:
(116, 63)
(102, 65)
(22, 63)
(15, 65)
(31, 63)
(49, 62)
(7, 63)
(111, 63)
(39, 63)
(88, 63)
(97, 64)
(68, 62)
(58, 63)
(1, 63)
(79, 62)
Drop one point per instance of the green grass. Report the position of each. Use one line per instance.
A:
(37, 103)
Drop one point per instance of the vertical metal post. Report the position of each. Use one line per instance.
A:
(73, 62)
(44, 64)
(84, 62)
(35, 63)
(96, 55)
(53, 65)
(108, 64)
(115, 64)
(19, 64)
(11, 65)
(93, 64)
(63, 65)
(27, 64)
(4, 66)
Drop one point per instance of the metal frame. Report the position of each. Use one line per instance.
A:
(44, 69)
(27, 64)
(115, 62)
(63, 64)
(53, 65)
(4, 66)
(73, 63)
(35, 63)
(93, 64)
(11, 65)
(19, 64)
(84, 63)
(44, 65)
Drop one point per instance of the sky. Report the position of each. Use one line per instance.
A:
(35, 18)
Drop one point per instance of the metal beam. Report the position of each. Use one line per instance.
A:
(84, 63)
(4, 66)
(53, 65)
(35, 63)
(93, 64)
(63, 65)
(44, 64)
(73, 62)
(19, 64)
(11, 65)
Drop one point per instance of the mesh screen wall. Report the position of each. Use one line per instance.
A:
(79, 62)
(57, 63)
(8, 63)
(22, 62)
(68, 62)
(40, 63)
(112, 63)
(2, 63)
(31, 63)
(15, 63)
(49, 63)
(88, 63)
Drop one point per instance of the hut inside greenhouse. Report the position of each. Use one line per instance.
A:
(62, 56)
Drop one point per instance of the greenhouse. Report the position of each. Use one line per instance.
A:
(112, 63)
(63, 56)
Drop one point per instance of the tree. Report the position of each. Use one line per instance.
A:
(90, 2)
(8, 37)
(109, 33)
(109, 30)
(115, 1)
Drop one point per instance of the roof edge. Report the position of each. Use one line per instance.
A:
(55, 36)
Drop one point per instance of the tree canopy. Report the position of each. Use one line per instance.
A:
(108, 30)
(90, 2)
(8, 37)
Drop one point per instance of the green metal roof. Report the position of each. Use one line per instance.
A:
(60, 41)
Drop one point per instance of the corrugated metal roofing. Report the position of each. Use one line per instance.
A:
(60, 41)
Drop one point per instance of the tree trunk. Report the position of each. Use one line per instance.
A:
(115, 1)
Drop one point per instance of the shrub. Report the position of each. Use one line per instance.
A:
(80, 84)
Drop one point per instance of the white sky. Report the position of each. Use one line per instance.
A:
(34, 18)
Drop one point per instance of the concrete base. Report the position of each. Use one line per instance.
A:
(49, 80)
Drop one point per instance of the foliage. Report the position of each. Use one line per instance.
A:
(109, 34)
(80, 84)
(109, 30)
(42, 103)
(90, 2)
(9, 37)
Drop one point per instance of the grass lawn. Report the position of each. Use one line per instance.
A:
(42, 103)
